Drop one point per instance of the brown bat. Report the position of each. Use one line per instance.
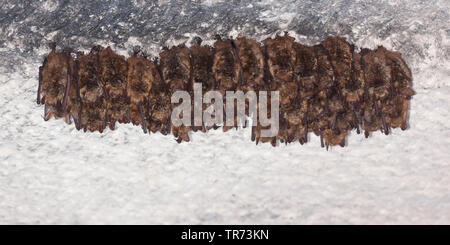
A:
(177, 74)
(281, 60)
(92, 91)
(226, 67)
(142, 73)
(202, 58)
(114, 72)
(55, 77)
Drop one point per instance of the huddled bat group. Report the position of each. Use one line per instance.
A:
(328, 88)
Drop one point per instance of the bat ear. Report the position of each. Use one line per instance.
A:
(198, 41)
(217, 37)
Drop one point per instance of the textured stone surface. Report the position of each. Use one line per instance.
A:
(51, 173)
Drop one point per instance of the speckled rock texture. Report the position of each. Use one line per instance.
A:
(50, 173)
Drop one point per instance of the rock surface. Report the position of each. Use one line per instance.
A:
(51, 173)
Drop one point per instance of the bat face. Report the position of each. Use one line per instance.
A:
(328, 89)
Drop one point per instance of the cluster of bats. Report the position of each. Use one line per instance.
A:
(328, 88)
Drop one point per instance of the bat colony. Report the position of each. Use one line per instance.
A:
(328, 89)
